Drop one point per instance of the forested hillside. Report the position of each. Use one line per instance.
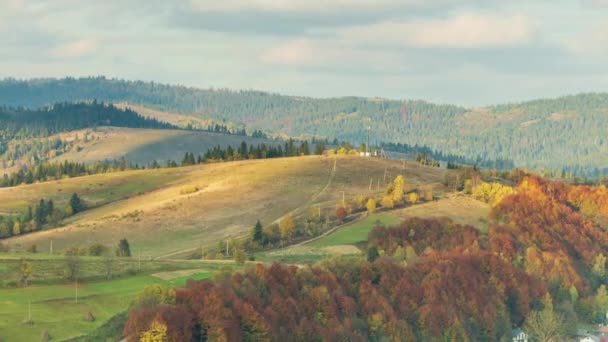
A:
(63, 117)
(559, 134)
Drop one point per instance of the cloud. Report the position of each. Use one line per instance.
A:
(295, 6)
(592, 42)
(296, 52)
(462, 31)
(76, 49)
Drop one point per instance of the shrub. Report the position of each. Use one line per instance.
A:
(97, 249)
(188, 189)
(341, 213)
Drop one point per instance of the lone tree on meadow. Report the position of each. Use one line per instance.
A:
(123, 250)
(25, 271)
(257, 234)
(76, 204)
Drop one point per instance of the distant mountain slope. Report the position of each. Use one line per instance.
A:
(564, 133)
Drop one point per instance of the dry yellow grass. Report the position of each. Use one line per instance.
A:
(176, 119)
(161, 221)
(461, 209)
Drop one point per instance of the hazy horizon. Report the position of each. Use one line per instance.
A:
(470, 52)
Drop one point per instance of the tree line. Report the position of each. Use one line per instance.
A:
(565, 133)
(44, 213)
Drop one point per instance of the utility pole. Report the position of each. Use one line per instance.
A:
(51, 247)
(369, 130)
(227, 250)
(385, 169)
(76, 290)
(371, 181)
(343, 200)
(319, 212)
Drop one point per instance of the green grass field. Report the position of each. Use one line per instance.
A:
(355, 233)
(343, 241)
(54, 308)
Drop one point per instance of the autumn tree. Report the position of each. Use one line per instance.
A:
(156, 333)
(25, 271)
(399, 189)
(287, 227)
(599, 265)
(545, 325)
(412, 198)
(154, 295)
(371, 206)
(340, 213)
(388, 202)
(240, 256)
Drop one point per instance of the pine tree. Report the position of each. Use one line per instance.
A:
(257, 234)
(76, 204)
(123, 250)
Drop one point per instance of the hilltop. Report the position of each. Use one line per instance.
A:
(150, 209)
(559, 134)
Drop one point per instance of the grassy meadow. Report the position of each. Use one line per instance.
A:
(149, 208)
(52, 300)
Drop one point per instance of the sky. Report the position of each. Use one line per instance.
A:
(466, 52)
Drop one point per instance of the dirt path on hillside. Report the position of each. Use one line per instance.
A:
(332, 173)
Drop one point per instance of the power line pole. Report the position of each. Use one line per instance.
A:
(367, 147)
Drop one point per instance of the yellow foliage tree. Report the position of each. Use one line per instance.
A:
(25, 271)
(156, 333)
(371, 206)
(287, 227)
(492, 193)
(413, 198)
(17, 229)
(387, 202)
(399, 189)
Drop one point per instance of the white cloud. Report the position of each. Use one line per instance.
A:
(297, 5)
(461, 31)
(592, 42)
(76, 49)
(297, 52)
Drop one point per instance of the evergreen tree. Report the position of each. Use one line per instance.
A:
(257, 234)
(123, 250)
(76, 204)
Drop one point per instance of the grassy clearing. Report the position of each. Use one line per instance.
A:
(143, 146)
(54, 309)
(53, 304)
(341, 242)
(355, 233)
(461, 209)
(50, 269)
(96, 190)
